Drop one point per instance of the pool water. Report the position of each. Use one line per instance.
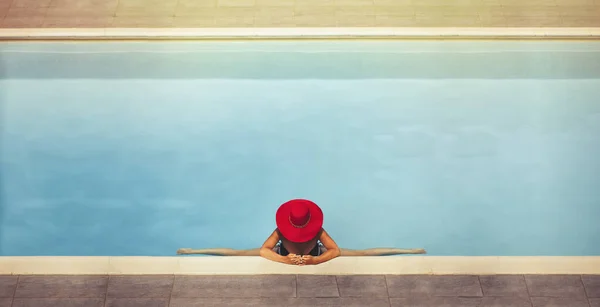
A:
(458, 147)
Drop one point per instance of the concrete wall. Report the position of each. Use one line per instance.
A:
(143, 166)
(299, 13)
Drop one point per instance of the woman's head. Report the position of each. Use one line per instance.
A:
(299, 220)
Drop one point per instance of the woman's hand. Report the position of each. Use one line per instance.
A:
(294, 259)
(308, 260)
(183, 251)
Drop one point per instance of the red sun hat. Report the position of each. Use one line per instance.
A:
(299, 220)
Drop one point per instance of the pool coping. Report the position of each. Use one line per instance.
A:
(299, 33)
(437, 265)
(405, 265)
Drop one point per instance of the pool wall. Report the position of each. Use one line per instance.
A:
(428, 265)
(114, 167)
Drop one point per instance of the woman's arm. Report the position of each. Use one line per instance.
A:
(220, 252)
(333, 250)
(266, 251)
(380, 251)
(344, 252)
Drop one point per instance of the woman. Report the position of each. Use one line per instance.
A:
(300, 239)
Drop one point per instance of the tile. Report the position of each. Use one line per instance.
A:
(61, 286)
(5, 302)
(446, 11)
(503, 285)
(166, 10)
(394, 11)
(58, 302)
(510, 3)
(534, 11)
(493, 10)
(533, 21)
(491, 2)
(492, 21)
(300, 3)
(559, 302)
(580, 11)
(555, 285)
(271, 3)
(22, 22)
(80, 12)
(191, 22)
(78, 4)
(26, 12)
(447, 21)
(224, 302)
(592, 285)
(315, 10)
(235, 286)
(235, 22)
(137, 302)
(274, 21)
(355, 21)
(215, 12)
(448, 285)
(273, 11)
(292, 302)
(314, 21)
(5, 4)
(488, 2)
(361, 302)
(395, 21)
(241, 3)
(197, 3)
(358, 11)
(147, 3)
(234, 11)
(185, 11)
(446, 2)
(142, 22)
(594, 302)
(339, 302)
(362, 285)
(424, 301)
(140, 286)
(75, 22)
(393, 2)
(8, 283)
(30, 3)
(317, 286)
(574, 2)
(580, 21)
(353, 2)
(505, 301)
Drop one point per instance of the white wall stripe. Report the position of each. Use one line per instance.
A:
(232, 33)
(438, 265)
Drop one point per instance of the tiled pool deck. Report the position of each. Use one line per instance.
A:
(297, 13)
(300, 290)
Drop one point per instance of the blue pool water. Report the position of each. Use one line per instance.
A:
(462, 148)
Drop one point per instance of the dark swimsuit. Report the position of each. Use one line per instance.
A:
(316, 251)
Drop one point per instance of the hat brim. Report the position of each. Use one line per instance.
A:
(299, 235)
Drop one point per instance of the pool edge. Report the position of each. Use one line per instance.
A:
(409, 265)
(297, 33)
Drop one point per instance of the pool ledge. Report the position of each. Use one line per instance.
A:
(436, 265)
(296, 33)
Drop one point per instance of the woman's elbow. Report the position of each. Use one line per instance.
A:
(337, 252)
(264, 251)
